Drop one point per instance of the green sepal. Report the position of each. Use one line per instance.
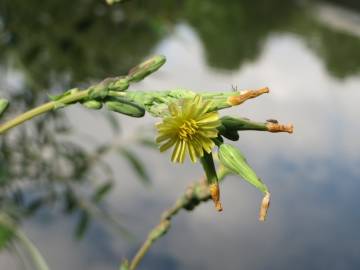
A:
(231, 158)
(228, 133)
(98, 92)
(67, 93)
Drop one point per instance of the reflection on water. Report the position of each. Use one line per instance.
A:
(312, 70)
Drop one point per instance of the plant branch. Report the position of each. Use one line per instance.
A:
(195, 194)
(42, 109)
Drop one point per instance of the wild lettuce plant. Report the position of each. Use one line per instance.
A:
(187, 122)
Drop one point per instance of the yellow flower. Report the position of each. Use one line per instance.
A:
(190, 127)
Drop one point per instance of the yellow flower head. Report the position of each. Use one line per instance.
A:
(190, 128)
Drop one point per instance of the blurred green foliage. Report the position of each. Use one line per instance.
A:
(65, 42)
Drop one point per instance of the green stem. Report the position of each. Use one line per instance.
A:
(194, 195)
(209, 168)
(34, 253)
(42, 109)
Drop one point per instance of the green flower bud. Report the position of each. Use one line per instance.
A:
(125, 107)
(235, 161)
(144, 69)
(98, 91)
(232, 123)
(3, 105)
(92, 104)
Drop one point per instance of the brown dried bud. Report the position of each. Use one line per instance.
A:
(265, 203)
(245, 95)
(274, 127)
(215, 196)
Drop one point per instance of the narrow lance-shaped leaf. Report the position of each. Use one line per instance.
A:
(83, 224)
(3, 105)
(102, 191)
(234, 160)
(136, 164)
(6, 234)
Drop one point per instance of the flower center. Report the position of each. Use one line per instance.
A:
(188, 129)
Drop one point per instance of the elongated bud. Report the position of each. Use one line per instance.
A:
(3, 105)
(238, 123)
(144, 69)
(265, 203)
(215, 196)
(125, 107)
(234, 160)
(92, 104)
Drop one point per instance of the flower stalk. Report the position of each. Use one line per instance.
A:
(212, 179)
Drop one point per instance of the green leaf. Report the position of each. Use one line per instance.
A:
(102, 191)
(6, 234)
(124, 265)
(136, 164)
(83, 224)
(34, 205)
(235, 161)
(3, 105)
(148, 143)
(113, 122)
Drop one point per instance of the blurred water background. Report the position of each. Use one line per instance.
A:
(307, 53)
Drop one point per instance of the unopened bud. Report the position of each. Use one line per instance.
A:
(265, 203)
(125, 107)
(92, 104)
(215, 196)
(144, 69)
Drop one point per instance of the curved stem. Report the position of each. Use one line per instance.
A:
(34, 253)
(42, 109)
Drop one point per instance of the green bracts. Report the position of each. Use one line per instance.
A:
(235, 161)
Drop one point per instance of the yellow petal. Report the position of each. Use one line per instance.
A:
(209, 133)
(176, 152)
(208, 117)
(182, 152)
(167, 145)
(162, 138)
(192, 152)
(173, 109)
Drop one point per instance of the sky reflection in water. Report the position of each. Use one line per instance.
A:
(313, 174)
